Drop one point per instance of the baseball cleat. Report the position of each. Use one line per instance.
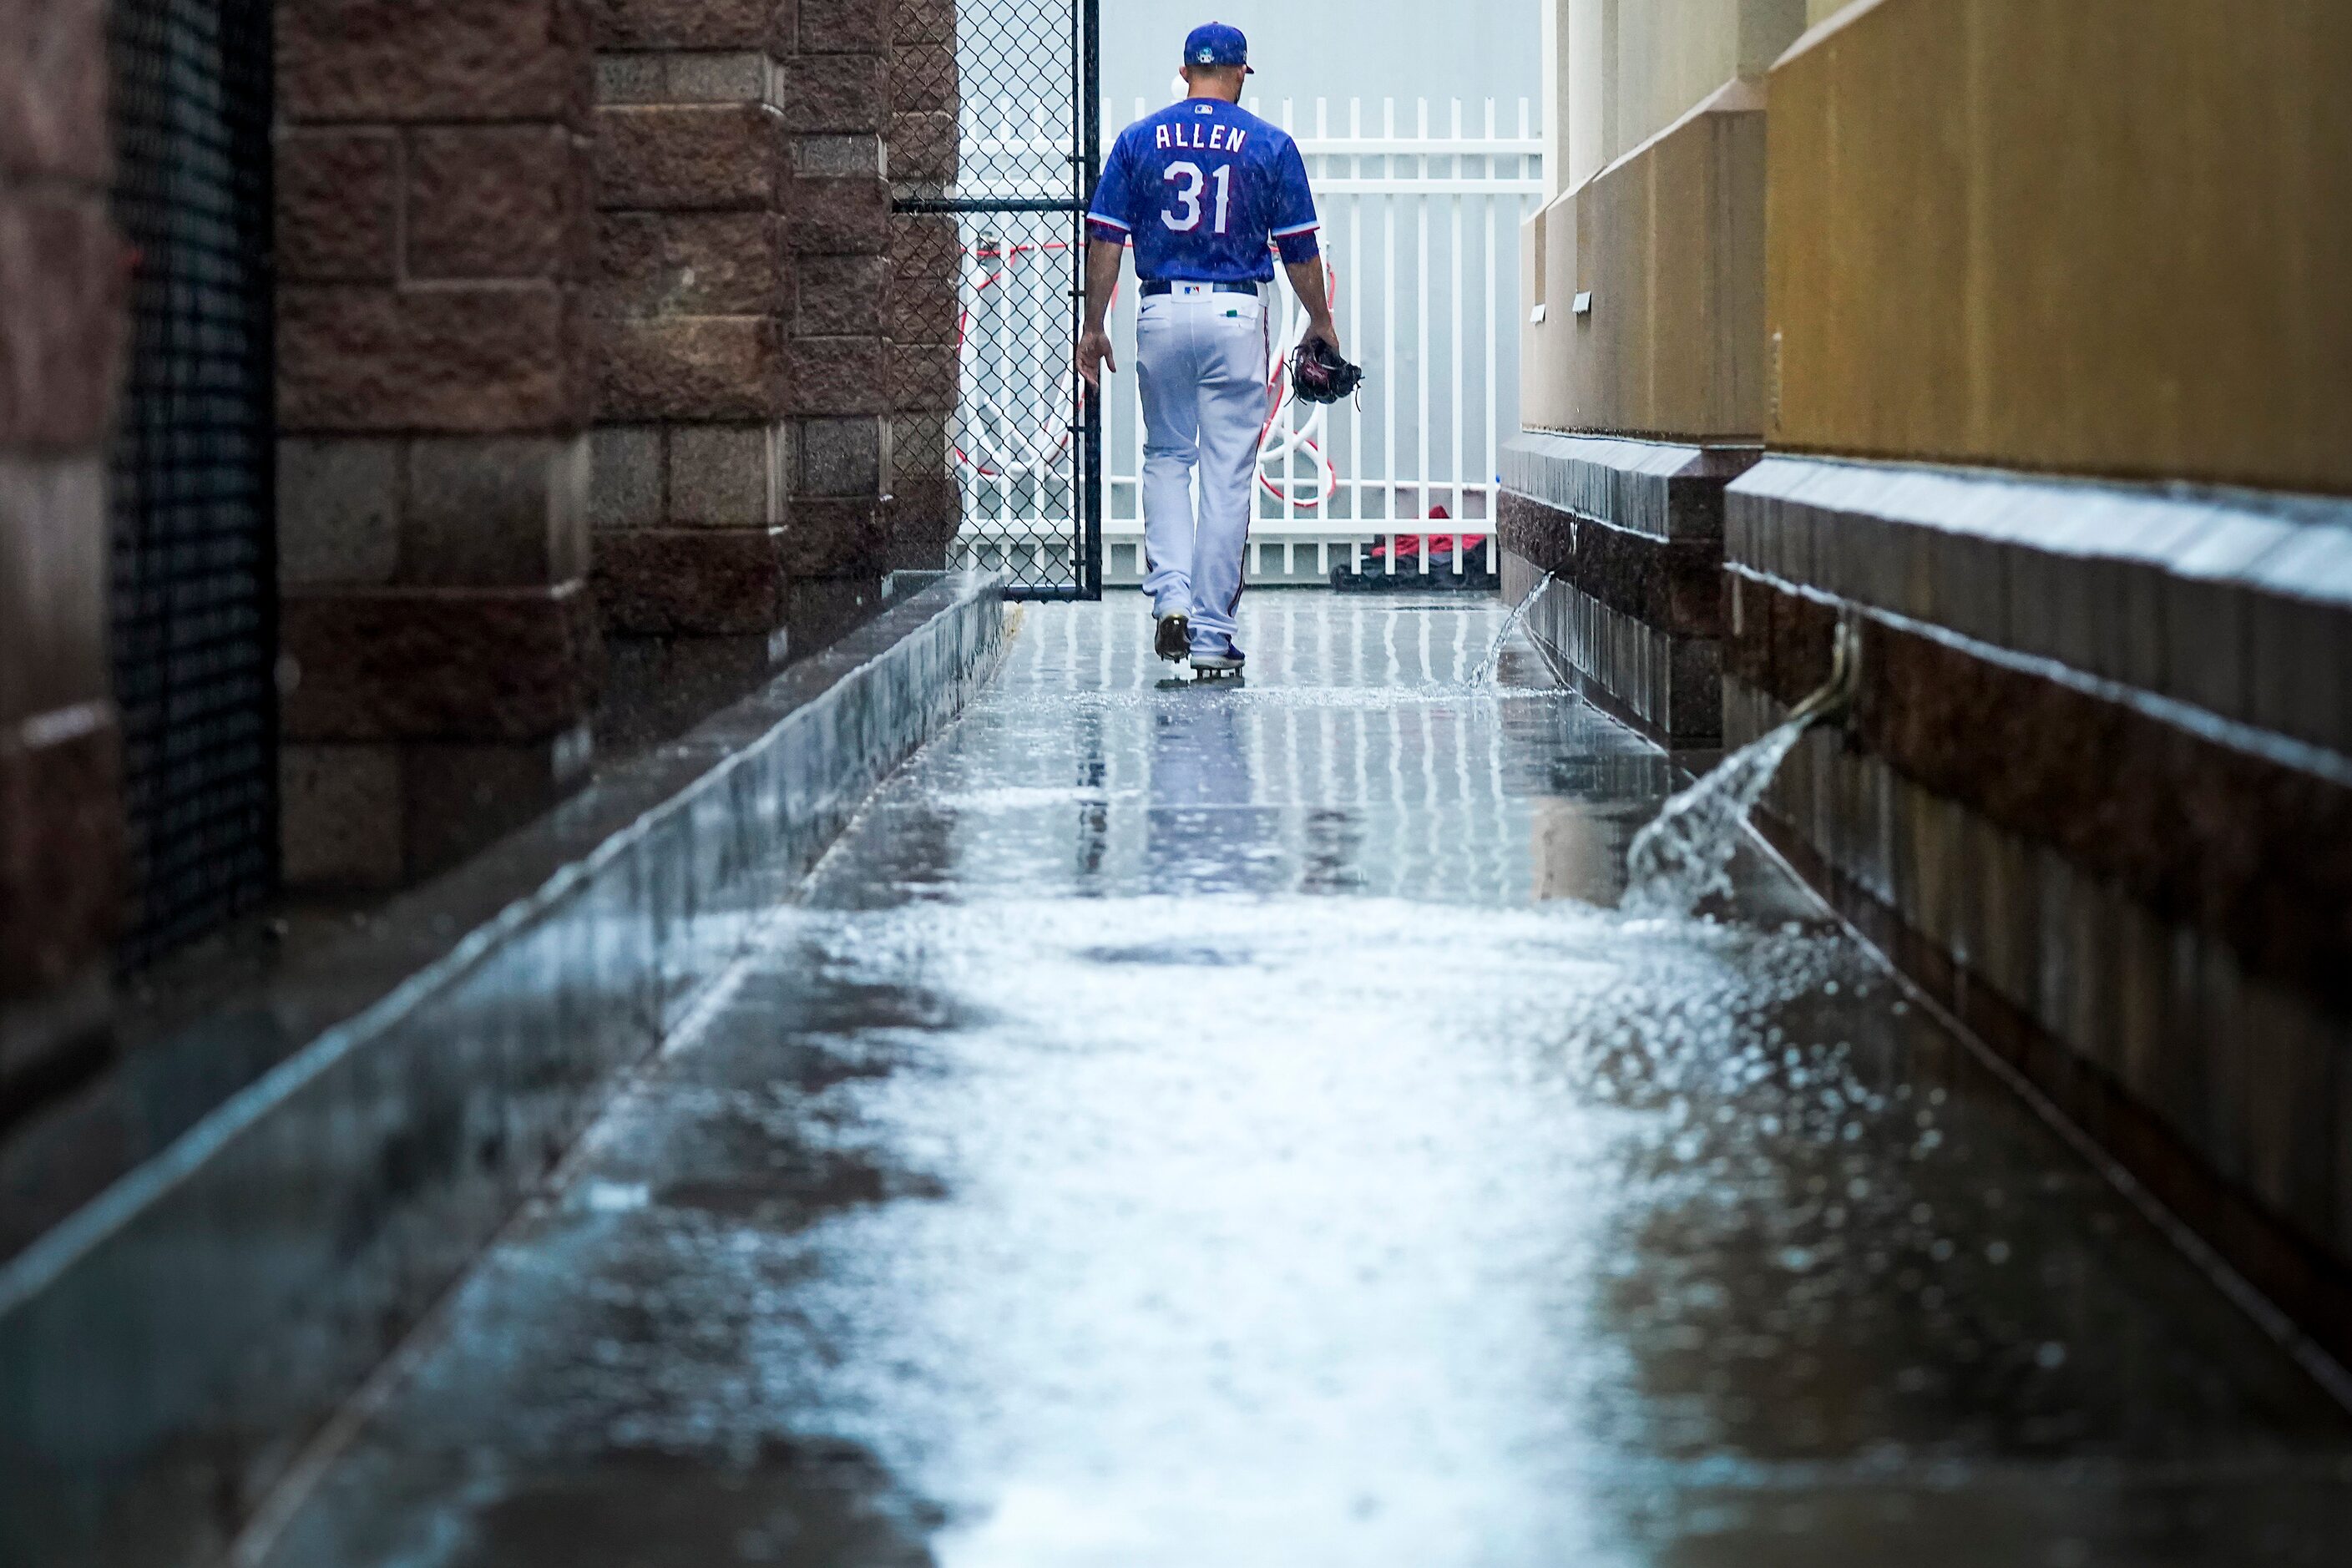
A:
(1216, 666)
(1174, 639)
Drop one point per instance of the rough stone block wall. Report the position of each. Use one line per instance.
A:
(61, 334)
(926, 261)
(689, 298)
(835, 70)
(763, 393)
(436, 235)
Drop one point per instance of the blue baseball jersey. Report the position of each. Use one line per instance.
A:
(1199, 188)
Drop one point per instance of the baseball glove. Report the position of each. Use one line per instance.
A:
(1320, 374)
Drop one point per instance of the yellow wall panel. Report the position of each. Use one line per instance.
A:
(1547, 267)
(1539, 378)
(1587, 66)
(1668, 55)
(2108, 237)
(1669, 242)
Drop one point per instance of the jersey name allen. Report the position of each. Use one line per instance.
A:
(1217, 138)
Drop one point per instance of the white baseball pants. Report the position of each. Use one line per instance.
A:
(1201, 358)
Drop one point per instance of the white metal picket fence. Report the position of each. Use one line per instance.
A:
(1420, 207)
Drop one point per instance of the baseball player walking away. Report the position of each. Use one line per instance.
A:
(1200, 189)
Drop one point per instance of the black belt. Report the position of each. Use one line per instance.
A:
(1168, 286)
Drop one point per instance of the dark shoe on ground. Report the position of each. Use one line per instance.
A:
(1175, 639)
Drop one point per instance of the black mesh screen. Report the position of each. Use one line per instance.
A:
(999, 225)
(193, 553)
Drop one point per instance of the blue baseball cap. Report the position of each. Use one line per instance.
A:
(1214, 44)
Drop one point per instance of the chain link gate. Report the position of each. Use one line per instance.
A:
(1002, 216)
(194, 548)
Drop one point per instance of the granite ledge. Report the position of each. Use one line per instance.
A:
(2237, 602)
(1666, 489)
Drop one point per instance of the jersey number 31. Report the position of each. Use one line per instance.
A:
(1188, 196)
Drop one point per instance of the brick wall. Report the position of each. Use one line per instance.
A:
(487, 247)
(61, 334)
(924, 505)
(689, 299)
(834, 72)
(435, 232)
(746, 452)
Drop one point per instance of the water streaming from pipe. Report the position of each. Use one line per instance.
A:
(1484, 672)
(1684, 855)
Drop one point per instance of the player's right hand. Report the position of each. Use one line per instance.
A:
(1094, 353)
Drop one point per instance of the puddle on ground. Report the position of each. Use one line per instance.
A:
(1219, 1127)
(790, 1503)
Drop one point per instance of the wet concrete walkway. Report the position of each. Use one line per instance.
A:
(1230, 1127)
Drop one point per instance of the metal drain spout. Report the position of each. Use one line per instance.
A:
(1834, 703)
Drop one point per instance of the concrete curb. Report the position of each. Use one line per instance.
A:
(165, 1353)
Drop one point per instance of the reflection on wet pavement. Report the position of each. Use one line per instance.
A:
(1232, 1127)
